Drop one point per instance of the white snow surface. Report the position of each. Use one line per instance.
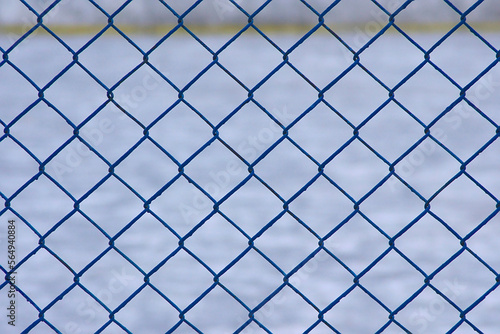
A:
(77, 223)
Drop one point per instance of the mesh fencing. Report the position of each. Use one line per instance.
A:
(441, 301)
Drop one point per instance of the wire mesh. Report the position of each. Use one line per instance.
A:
(323, 254)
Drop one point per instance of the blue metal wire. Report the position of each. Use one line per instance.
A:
(358, 55)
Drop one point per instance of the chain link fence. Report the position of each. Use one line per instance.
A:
(316, 177)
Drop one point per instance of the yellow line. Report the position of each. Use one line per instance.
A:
(368, 28)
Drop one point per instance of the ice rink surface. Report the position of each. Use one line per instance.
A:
(359, 228)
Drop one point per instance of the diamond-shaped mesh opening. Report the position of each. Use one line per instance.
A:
(252, 194)
(26, 10)
(13, 157)
(286, 161)
(112, 279)
(218, 13)
(112, 62)
(466, 131)
(450, 54)
(36, 263)
(274, 96)
(357, 312)
(478, 314)
(330, 131)
(357, 244)
(356, 169)
(200, 95)
(355, 23)
(218, 310)
(179, 6)
(145, 95)
(76, 164)
(279, 243)
(109, 133)
(473, 205)
(175, 132)
(174, 62)
(76, 94)
(376, 57)
(161, 242)
(251, 6)
(392, 206)
(428, 313)
(211, 13)
(306, 58)
(79, 12)
(429, 7)
(464, 280)
(428, 167)
(143, 15)
(322, 270)
(482, 168)
(277, 28)
(482, 94)
(264, 55)
(435, 102)
(251, 132)
(428, 243)
(181, 206)
(111, 194)
(217, 243)
(349, 95)
(287, 311)
(391, 132)
(112, 328)
(252, 279)
(182, 279)
(50, 204)
(147, 178)
(256, 166)
(45, 50)
(392, 292)
(322, 206)
(143, 314)
(77, 311)
(66, 242)
(38, 123)
(17, 96)
(343, 13)
(482, 243)
(216, 169)
(110, 7)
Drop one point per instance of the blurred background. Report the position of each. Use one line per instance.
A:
(356, 118)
